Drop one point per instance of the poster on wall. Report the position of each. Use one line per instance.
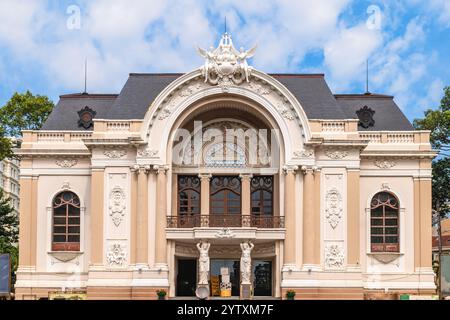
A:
(445, 275)
(5, 274)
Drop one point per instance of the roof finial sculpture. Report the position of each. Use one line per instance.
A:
(225, 65)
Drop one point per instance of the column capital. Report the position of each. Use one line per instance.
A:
(245, 176)
(160, 168)
(310, 169)
(140, 168)
(205, 176)
(290, 169)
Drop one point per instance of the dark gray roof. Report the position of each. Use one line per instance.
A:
(387, 116)
(65, 114)
(311, 90)
(314, 95)
(138, 93)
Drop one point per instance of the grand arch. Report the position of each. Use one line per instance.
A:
(264, 94)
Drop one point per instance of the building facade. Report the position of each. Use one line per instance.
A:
(9, 181)
(229, 178)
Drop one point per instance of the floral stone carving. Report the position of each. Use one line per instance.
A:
(116, 255)
(334, 257)
(333, 210)
(117, 205)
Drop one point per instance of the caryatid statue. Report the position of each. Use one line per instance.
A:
(246, 262)
(203, 248)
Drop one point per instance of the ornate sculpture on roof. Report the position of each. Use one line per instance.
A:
(226, 65)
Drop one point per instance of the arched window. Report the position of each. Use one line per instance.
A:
(188, 200)
(384, 223)
(225, 201)
(262, 195)
(66, 222)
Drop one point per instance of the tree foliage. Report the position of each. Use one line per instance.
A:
(438, 121)
(9, 232)
(24, 111)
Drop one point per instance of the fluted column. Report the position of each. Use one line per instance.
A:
(308, 215)
(289, 209)
(204, 196)
(246, 199)
(161, 215)
(142, 216)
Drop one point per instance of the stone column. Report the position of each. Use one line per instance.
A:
(246, 199)
(316, 217)
(204, 197)
(161, 215)
(289, 209)
(308, 216)
(142, 216)
(133, 212)
(425, 224)
(97, 193)
(353, 214)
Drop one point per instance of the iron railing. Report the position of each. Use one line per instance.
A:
(225, 220)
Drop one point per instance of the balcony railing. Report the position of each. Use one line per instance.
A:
(225, 220)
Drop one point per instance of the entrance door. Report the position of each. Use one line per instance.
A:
(186, 278)
(231, 267)
(262, 278)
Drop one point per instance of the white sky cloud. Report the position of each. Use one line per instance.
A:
(160, 36)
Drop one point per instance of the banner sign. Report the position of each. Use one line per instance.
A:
(5, 274)
(445, 275)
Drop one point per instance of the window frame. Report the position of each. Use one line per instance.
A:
(227, 190)
(384, 247)
(191, 188)
(260, 189)
(66, 245)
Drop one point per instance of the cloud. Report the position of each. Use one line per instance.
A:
(160, 36)
(347, 52)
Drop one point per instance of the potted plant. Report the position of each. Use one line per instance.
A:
(161, 294)
(290, 294)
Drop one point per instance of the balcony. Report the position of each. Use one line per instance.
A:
(222, 221)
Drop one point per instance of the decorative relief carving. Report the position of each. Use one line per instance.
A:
(147, 153)
(115, 154)
(164, 113)
(65, 256)
(384, 164)
(65, 185)
(117, 205)
(385, 186)
(190, 90)
(259, 88)
(116, 256)
(334, 257)
(285, 112)
(225, 233)
(306, 153)
(217, 251)
(336, 155)
(333, 210)
(66, 163)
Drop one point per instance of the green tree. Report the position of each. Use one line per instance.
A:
(5, 145)
(9, 233)
(24, 111)
(438, 121)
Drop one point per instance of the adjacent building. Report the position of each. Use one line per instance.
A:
(279, 183)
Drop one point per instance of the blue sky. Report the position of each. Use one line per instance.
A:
(43, 44)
